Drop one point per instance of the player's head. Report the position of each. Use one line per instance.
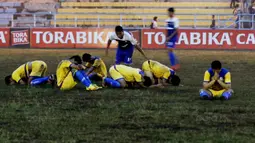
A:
(171, 12)
(216, 66)
(213, 16)
(147, 81)
(8, 80)
(76, 59)
(86, 57)
(155, 18)
(237, 5)
(119, 31)
(174, 80)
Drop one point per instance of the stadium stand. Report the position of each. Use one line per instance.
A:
(140, 13)
(21, 12)
(132, 13)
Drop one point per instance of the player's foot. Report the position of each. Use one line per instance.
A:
(52, 79)
(93, 87)
(98, 87)
(176, 67)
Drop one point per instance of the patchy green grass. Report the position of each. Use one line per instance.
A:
(174, 114)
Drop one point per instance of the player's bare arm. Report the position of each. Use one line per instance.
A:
(90, 70)
(78, 67)
(207, 85)
(141, 51)
(108, 46)
(224, 85)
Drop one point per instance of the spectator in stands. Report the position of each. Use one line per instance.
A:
(232, 3)
(154, 24)
(237, 11)
(213, 22)
(252, 8)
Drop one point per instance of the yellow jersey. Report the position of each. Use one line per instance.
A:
(158, 70)
(128, 73)
(224, 75)
(99, 65)
(63, 70)
(30, 69)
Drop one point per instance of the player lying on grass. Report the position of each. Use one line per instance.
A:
(95, 66)
(217, 83)
(69, 72)
(160, 74)
(31, 73)
(126, 44)
(122, 76)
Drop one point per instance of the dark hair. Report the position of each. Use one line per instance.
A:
(147, 81)
(86, 57)
(216, 65)
(8, 79)
(155, 18)
(175, 80)
(77, 59)
(118, 29)
(171, 9)
(237, 5)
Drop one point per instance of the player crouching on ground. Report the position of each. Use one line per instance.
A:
(217, 83)
(96, 67)
(164, 75)
(31, 73)
(69, 71)
(122, 76)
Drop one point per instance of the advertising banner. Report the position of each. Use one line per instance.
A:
(201, 39)
(20, 37)
(4, 37)
(72, 37)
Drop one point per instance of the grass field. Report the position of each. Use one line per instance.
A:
(174, 114)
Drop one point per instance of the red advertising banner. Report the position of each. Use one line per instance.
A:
(4, 37)
(19, 37)
(201, 39)
(72, 37)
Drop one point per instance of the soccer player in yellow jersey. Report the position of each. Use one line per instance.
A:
(163, 74)
(95, 65)
(121, 75)
(68, 72)
(31, 73)
(217, 83)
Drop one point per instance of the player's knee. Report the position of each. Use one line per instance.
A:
(123, 83)
(205, 94)
(226, 95)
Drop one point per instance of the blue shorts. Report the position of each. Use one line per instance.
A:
(124, 55)
(171, 43)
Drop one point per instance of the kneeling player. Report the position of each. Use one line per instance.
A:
(122, 76)
(31, 73)
(217, 83)
(68, 72)
(163, 74)
(96, 67)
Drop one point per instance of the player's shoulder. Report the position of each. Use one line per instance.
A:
(127, 33)
(224, 71)
(209, 71)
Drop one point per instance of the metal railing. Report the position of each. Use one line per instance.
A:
(223, 21)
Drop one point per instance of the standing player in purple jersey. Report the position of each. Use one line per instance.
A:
(126, 45)
(172, 25)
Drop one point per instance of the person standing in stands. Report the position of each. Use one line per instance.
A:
(237, 11)
(213, 22)
(232, 3)
(154, 23)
